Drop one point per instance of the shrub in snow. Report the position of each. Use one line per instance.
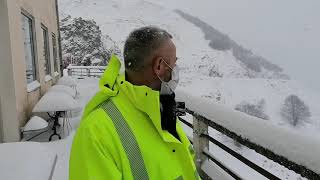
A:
(214, 72)
(81, 38)
(86, 61)
(256, 110)
(295, 111)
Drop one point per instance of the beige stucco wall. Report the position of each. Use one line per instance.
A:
(43, 12)
(9, 126)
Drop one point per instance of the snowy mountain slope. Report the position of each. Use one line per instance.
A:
(216, 72)
(117, 20)
(256, 66)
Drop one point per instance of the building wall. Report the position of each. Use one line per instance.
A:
(9, 126)
(43, 12)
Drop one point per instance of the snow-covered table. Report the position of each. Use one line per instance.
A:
(27, 161)
(58, 103)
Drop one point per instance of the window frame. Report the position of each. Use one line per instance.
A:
(32, 33)
(55, 52)
(46, 43)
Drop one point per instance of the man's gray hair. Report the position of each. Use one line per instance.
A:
(140, 44)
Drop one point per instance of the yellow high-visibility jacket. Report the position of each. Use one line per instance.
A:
(120, 136)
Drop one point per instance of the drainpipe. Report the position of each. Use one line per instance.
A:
(59, 38)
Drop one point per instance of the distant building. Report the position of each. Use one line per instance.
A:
(29, 60)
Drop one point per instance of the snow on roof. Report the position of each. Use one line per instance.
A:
(56, 101)
(35, 123)
(63, 88)
(68, 81)
(26, 160)
(297, 147)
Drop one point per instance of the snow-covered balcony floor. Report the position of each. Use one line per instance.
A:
(86, 87)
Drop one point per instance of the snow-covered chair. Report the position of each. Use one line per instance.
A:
(27, 161)
(60, 104)
(63, 88)
(54, 101)
(68, 81)
(34, 127)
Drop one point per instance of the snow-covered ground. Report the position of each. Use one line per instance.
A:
(87, 87)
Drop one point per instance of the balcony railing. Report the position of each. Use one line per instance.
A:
(86, 71)
(220, 119)
(288, 148)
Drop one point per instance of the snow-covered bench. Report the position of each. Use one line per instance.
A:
(27, 161)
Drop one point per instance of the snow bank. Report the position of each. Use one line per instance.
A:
(56, 74)
(35, 123)
(33, 86)
(213, 170)
(47, 78)
(63, 88)
(56, 101)
(295, 146)
(28, 161)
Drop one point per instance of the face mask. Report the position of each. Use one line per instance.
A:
(170, 86)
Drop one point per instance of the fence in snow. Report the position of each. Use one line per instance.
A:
(86, 71)
(288, 148)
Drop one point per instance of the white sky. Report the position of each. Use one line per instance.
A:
(286, 32)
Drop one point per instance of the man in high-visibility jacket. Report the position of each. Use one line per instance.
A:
(129, 129)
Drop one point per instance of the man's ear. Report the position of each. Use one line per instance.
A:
(157, 65)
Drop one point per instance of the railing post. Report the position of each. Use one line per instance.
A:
(69, 72)
(199, 142)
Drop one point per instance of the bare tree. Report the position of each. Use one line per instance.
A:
(295, 111)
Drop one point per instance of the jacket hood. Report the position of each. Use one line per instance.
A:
(106, 85)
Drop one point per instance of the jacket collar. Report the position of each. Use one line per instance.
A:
(146, 100)
(143, 98)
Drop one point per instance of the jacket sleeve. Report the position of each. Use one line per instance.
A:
(89, 158)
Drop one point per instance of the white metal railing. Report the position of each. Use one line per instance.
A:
(88, 71)
(288, 148)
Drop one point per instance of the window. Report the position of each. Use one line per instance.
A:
(46, 53)
(27, 29)
(54, 46)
